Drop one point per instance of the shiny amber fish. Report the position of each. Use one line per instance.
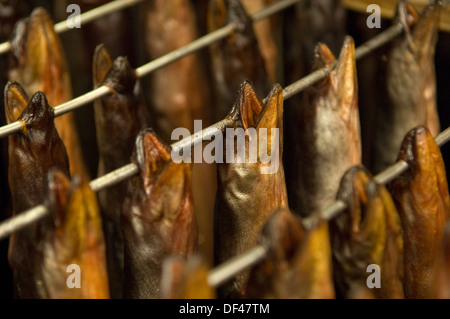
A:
(327, 140)
(158, 217)
(73, 251)
(235, 59)
(368, 232)
(298, 265)
(186, 278)
(247, 195)
(119, 117)
(409, 99)
(33, 151)
(422, 199)
(38, 64)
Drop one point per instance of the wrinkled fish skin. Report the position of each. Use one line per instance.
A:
(76, 238)
(119, 117)
(410, 97)
(235, 59)
(245, 196)
(185, 278)
(157, 219)
(298, 265)
(328, 137)
(422, 199)
(179, 91)
(38, 64)
(32, 153)
(368, 232)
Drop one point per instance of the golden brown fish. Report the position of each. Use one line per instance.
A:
(33, 151)
(119, 117)
(409, 98)
(234, 59)
(158, 217)
(443, 276)
(185, 278)
(327, 141)
(368, 232)
(38, 64)
(179, 94)
(249, 190)
(298, 265)
(422, 199)
(74, 246)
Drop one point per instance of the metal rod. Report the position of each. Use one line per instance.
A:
(12, 128)
(96, 13)
(114, 177)
(82, 100)
(235, 265)
(22, 220)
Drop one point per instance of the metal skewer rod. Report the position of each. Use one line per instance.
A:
(234, 266)
(158, 63)
(86, 17)
(130, 170)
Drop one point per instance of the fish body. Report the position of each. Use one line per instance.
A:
(409, 98)
(158, 217)
(38, 63)
(423, 202)
(328, 138)
(246, 196)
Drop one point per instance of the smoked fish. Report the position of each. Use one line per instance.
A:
(409, 97)
(38, 63)
(33, 151)
(119, 117)
(299, 264)
(247, 192)
(186, 278)
(368, 232)
(422, 199)
(158, 218)
(234, 59)
(74, 245)
(327, 142)
(180, 93)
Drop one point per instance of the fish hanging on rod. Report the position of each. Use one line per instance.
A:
(158, 216)
(73, 254)
(423, 202)
(409, 97)
(38, 63)
(33, 152)
(235, 59)
(249, 190)
(119, 117)
(327, 138)
(368, 232)
(298, 265)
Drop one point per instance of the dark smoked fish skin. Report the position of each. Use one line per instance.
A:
(245, 196)
(38, 63)
(119, 117)
(328, 138)
(410, 97)
(235, 59)
(368, 232)
(422, 199)
(75, 238)
(299, 264)
(158, 217)
(32, 153)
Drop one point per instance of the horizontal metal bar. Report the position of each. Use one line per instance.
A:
(22, 220)
(9, 129)
(82, 100)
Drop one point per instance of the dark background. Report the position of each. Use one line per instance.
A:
(80, 67)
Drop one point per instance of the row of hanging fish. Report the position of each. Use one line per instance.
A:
(141, 237)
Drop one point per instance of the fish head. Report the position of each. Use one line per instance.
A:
(121, 76)
(16, 101)
(38, 115)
